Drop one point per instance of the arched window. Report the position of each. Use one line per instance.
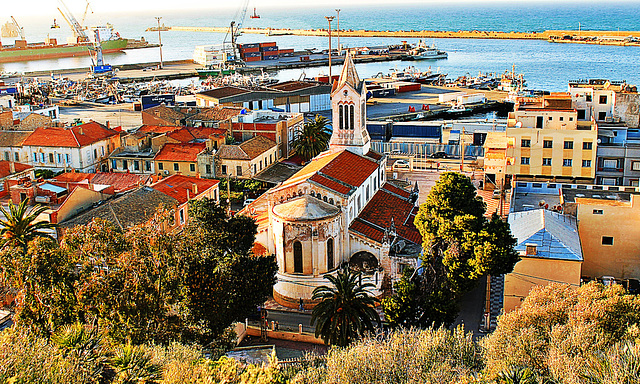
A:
(297, 257)
(331, 201)
(329, 254)
(367, 193)
(319, 196)
(346, 117)
(313, 193)
(351, 118)
(324, 199)
(341, 116)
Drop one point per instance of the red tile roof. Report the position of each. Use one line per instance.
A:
(180, 152)
(5, 168)
(78, 136)
(121, 182)
(157, 129)
(182, 135)
(331, 184)
(226, 91)
(182, 188)
(74, 177)
(374, 155)
(398, 191)
(377, 214)
(349, 168)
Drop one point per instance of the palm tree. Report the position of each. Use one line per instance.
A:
(346, 310)
(313, 139)
(132, 365)
(19, 226)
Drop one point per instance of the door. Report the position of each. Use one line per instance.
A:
(539, 120)
(297, 257)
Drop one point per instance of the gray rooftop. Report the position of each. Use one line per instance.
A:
(555, 235)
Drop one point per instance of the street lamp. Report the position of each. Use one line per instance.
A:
(330, 19)
(159, 40)
(338, 28)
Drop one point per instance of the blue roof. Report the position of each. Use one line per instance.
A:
(52, 188)
(555, 235)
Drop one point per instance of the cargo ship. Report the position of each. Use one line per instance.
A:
(50, 49)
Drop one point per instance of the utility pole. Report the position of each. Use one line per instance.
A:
(228, 193)
(330, 19)
(462, 150)
(159, 40)
(338, 28)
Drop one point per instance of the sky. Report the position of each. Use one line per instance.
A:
(48, 7)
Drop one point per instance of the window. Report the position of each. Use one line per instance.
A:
(635, 165)
(147, 165)
(254, 168)
(68, 158)
(41, 157)
(587, 145)
(351, 118)
(102, 151)
(182, 216)
(329, 254)
(125, 165)
(271, 158)
(561, 118)
(95, 153)
(586, 163)
(340, 116)
(223, 169)
(581, 114)
(568, 144)
(567, 162)
(547, 144)
(524, 161)
(526, 143)
(161, 166)
(570, 118)
(550, 118)
(208, 169)
(603, 99)
(238, 170)
(192, 167)
(597, 212)
(6, 155)
(51, 160)
(546, 161)
(176, 167)
(261, 165)
(59, 158)
(609, 163)
(114, 164)
(587, 97)
(607, 240)
(297, 257)
(35, 157)
(136, 165)
(539, 121)
(16, 156)
(602, 115)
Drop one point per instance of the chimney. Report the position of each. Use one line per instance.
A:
(195, 189)
(80, 130)
(532, 249)
(12, 167)
(108, 124)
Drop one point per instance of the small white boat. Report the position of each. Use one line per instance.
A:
(458, 108)
(424, 52)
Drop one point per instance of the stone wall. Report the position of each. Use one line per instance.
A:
(627, 108)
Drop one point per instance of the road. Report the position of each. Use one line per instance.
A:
(288, 321)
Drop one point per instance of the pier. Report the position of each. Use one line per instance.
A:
(565, 36)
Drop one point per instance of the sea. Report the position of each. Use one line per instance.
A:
(546, 66)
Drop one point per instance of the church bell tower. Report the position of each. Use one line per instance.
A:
(348, 104)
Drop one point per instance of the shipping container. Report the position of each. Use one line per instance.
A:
(250, 45)
(422, 130)
(149, 101)
(471, 99)
(266, 54)
(289, 50)
(256, 49)
(269, 49)
(379, 130)
(407, 87)
(249, 59)
(251, 54)
(383, 92)
(269, 44)
(270, 57)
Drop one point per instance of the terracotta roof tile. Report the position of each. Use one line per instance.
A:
(221, 92)
(217, 113)
(256, 146)
(77, 136)
(5, 168)
(180, 152)
(374, 155)
(349, 168)
(13, 138)
(121, 182)
(182, 188)
(398, 191)
(331, 184)
(157, 129)
(165, 113)
(74, 177)
(182, 135)
(377, 215)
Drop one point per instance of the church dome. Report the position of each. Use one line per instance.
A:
(305, 208)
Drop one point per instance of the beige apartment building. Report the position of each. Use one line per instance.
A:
(547, 140)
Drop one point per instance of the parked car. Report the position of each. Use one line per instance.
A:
(496, 194)
(633, 287)
(608, 280)
(439, 155)
(248, 201)
(401, 164)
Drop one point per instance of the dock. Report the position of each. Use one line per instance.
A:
(566, 36)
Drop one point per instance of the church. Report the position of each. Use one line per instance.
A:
(339, 210)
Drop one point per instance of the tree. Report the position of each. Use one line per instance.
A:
(19, 225)
(559, 329)
(313, 139)
(346, 310)
(460, 246)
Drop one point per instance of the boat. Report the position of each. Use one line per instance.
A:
(214, 71)
(424, 52)
(255, 15)
(51, 50)
(458, 108)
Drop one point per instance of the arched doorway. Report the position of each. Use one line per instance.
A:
(363, 261)
(104, 168)
(297, 257)
(330, 260)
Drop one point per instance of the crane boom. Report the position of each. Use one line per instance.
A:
(18, 27)
(234, 29)
(77, 29)
(84, 15)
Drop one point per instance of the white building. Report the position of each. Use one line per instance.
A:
(83, 147)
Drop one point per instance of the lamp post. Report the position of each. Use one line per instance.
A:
(329, 19)
(338, 28)
(159, 40)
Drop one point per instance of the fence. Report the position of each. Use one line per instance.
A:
(425, 150)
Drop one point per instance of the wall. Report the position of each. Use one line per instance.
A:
(184, 168)
(77, 201)
(620, 220)
(627, 108)
(529, 272)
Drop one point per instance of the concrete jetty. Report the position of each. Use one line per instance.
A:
(566, 36)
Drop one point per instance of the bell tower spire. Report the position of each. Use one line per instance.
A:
(348, 104)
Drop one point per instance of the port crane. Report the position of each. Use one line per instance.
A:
(84, 15)
(78, 30)
(18, 27)
(234, 31)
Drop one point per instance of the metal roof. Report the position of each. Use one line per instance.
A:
(555, 235)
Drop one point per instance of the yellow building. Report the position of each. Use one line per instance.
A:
(548, 141)
(550, 252)
(609, 227)
(495, 159)
(180, 159)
